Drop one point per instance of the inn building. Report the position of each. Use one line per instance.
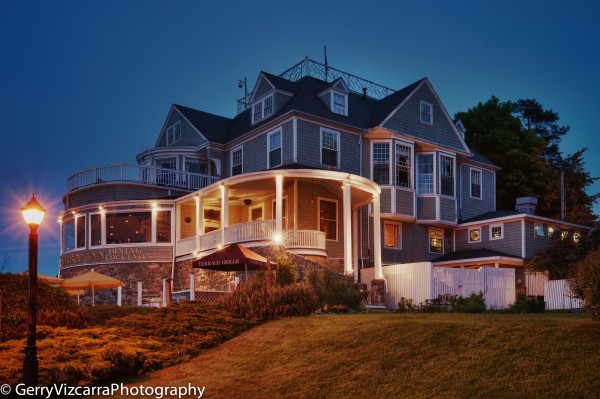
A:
(322, 164)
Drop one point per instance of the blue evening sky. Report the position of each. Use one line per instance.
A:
(85, 83)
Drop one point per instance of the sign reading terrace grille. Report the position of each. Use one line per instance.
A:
(220, 262)
(116, 255)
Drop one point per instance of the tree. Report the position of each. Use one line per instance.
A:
(559, 259)
(586, 284)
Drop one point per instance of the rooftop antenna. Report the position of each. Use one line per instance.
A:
(326, 65)
(243, 83)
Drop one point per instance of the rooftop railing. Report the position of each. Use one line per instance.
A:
(150, 175)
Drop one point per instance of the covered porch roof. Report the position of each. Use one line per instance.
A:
(476, 258)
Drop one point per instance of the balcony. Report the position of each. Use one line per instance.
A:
(132, 173)
(257, 233)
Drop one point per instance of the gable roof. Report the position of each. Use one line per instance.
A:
(214, 127)
(482, 159)
(384, 107)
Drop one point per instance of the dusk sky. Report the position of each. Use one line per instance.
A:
(87, 83)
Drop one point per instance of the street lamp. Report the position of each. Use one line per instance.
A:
(33, 213)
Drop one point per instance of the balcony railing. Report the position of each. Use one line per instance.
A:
(150, 175)
(259, 231)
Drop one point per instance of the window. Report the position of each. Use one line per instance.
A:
(476, 183)
(381, 163)
(426, 113)
(128, 228)
(329, 148)
(436, 244)
(165, 177)
(496, 232)
(475, 234)
(538, 231)
(236, 161)
(256, 213)
(550, 231)
(274, 140)
(403, 165)
(163, 226)
(393, 235)
(196, 166)
(447, 175)
(339, 103)
(576, 238)
(328, 218)
(262, 109)
(68, 235)
(425, 173)
(174, 133)
(81, 232)
(96, 229)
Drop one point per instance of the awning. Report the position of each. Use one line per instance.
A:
(233, 257)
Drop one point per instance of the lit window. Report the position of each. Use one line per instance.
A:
(163, 226)
(476, 183)
(329, 148)
(381, 163)
(447, 175)
(539, 231)
(174, 133)
(262, 109)
(425, 173)
(475, 235)
(403, 165)
(496, 232)
(81, 232)
(236, 161)
(426, 113)
(68, 235)
(393, 235)
(550, 231)
(339, 103)
(96, 229)
(274, 139)
(328, 218)
(128, 228)
(436, 244)
(576, 238)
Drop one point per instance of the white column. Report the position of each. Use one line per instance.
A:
(139, 293)
(199, 221)
(153, 223)
(192, 286)
(224, 211)
(102, 227)
(377, 237)
(355, 254)
(119, 295)
(164, 292)
(278, 206)
(347, 228)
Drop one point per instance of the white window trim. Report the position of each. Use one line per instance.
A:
(262, 108)
(385, 223)
(435, 173)
(471, 169)
(345, 103)
(253, 207)
(390, 157)
(158, 159)
(421, 103)
(535, 233)
(233, 151)
(439, 173)
(501, 225)
(339, 147)
(411, 182)
(280, 131)
(62, 242)
(85, 242)
(337, 219)
(469, 235)
(175, 140)
(429, 240)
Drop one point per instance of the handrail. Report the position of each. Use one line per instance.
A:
(151, 175)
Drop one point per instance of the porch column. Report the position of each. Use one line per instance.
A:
(278, 207)
(377, 237)
(199, 221)
(224, 211)
(347, 228)
(355, 242)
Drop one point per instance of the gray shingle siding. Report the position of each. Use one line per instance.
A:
(448, 209)
(510, 244)
(386, 201)
(405, 202)
(262, 88)
(426, 208)
(189, 135)
(471, 207)
(407, 120)
(533, 244)
(287, 141)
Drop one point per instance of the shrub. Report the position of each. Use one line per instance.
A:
(474, 303)
(97, 315)
(524, 304)
(333, 288)
(286, 270)
(586, 285)
(406, 305)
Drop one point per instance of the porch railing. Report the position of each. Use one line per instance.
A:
(250, 231)
(304, 239)
(150, 175)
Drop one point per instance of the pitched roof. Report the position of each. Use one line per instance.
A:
(482, 159)
(384, 107)
(491, 215)
(473, 254)
(214, 127)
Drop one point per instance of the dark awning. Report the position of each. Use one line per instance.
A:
(233, 257)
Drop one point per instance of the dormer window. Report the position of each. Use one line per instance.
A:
(174, 133)
(262, 109)
(426, 113)
(339, 103)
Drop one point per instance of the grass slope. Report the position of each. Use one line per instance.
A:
(401, 356)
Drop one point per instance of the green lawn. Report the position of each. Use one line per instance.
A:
(401, 356)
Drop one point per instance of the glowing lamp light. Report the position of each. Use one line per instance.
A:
(33, 212)
(277, 239)
(220, 246)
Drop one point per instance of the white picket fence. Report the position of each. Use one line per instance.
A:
(558, 296)
(422, 281)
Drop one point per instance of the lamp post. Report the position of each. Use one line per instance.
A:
(33, 213)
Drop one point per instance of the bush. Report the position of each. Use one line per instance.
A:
(586, 285)
(286, 271)
(525, 304)
(333, 288)
(256, 301)
(97, 315)
(474, 303)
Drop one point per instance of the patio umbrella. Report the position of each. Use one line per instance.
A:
(91, 280)
(233, 257)
(54, 281)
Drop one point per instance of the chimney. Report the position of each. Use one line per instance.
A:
(365, 93)
(526, 205)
